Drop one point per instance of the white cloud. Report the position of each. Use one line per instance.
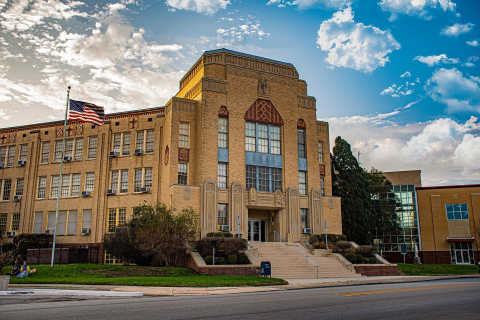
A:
(354, 45)
(407, 74)
(457, 29)
(474, 43)
(435, 147)
(235, 29)
(411, 104)
(436, 59)
(400, 90)
(458, 93)
(207, 7)
(305, 4)
(420, 8)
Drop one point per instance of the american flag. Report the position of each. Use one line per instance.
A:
(85, 112)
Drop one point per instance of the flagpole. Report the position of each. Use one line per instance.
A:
(60, 181)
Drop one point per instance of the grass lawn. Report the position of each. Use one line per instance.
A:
(100, 274)
(435, 269)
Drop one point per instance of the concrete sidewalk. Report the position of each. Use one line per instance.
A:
(294, 284)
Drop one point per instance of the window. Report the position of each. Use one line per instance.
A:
(145, 141)
(263, 178)
(65, 186)
(87, 219)
(3, 223)
(111, 259)
(123, 181)
(301, 143)
(73, 148)
(142, 178)
(182, 173)
(223, 133)
(222, 175)
(23, 152)
(75, 185)
(19, 187)
(250, 137)
(117, 218)
(275, 140)
(45, 152)
(183, 139)
(90, 181)
(6, 187)
(320, 152)
(457, 211)
(114, 180)
(78, 155)
(37, 222)
(140, 140)
(121, 143)
(42, 186)
(222, 214)
(92, 147)
(262, 138)
(58, 151)
(66, 224)
(15, 222)
(304, 219)
(322, 185)
(7, 155)
(70, 186)
(302, 182)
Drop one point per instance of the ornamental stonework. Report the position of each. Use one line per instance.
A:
(263, 111)
(183, 155)
(322, 170)
(133, 123)
(301, 124)
(79, 130)
(167, 155)
(59, 132)
(263, 88)
(223, 112)
(11, 138)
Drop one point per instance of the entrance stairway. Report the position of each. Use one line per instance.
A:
(292, 264)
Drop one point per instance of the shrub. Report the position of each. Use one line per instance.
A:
(359, 258)
(220, 260)
(208, 259)
(344, 247)
(366, 251)
(372, 260)
(351, 258)
(224, 246)
(319, 245)
(27, 241)
(220, 234)
(243, 259)
(232, 259)
(331, 238)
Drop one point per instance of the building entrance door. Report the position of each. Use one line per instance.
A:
(257, 230)
(462, 253)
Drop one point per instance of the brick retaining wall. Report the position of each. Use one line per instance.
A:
(372, 270)
(224, 270)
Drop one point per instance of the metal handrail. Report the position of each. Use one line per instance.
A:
(307, 258)
(308, 245)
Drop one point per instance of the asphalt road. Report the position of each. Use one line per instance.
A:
(446, 299)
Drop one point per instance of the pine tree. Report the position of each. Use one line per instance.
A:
(352, 184)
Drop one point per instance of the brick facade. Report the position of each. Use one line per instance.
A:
(376, 270)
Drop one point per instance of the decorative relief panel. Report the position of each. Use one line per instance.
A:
(194, 91)
(179, 104)
(263, 88)
(11, 137)
(133, 123)
(59, 132)
(261, 65)
(252, 195)
(331, 204)
(307, 102)
(301, 124)
(79, 130)
(265, 199)
(256, 75)
(322, 126)
(223, 112)
(213, 84)
(322, 170)
(183, 155)
(263, 111)
(187, 193)
(3, 138)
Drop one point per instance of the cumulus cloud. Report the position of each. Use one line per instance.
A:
(436, 60)
(207, 7)
(235, 29)
(420, 8)
(304, 4)
(457, 29)
(354, 45)
(458, 93)
(435, 147)
(474, 43)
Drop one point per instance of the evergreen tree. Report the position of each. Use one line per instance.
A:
(352, 184)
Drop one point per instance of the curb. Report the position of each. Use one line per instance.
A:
(53, 292)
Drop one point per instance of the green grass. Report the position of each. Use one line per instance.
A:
(98, 274)
(435, 269)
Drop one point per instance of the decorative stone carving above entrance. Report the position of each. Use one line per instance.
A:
(252, 195)
(278, 198)
(265, 199)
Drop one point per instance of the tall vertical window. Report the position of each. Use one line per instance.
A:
(304, 219)
(183, 139)
(302, 182)
(142, 178)
(126, 144)
(222, 214)
(75, 185)
(123, 181)
(6, 186)
(73, 148)
(140, 140)
(3, 223)
(45, 152)
(223, 133)
(149, 144)
(121, 143)
(251, 177)
(117, 218)
(10, 156)
(19, 187)
(222, 175)
(92, 147)
(263, 179)
(90, 181)
(54, 186)
(42, 186)
(276, 179)
(15, 222)
(262, 138)
(67, 222)
(57, 157)
(250, 137)
(182, 173)
(87, 218)
(114, 180)
(65, 186)
(322, 185)
(301, 143)
(78, 155)
(37, 222)
(275, 140)
(320, 152)
(23, 152)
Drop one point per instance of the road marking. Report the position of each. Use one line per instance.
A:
(409, 289)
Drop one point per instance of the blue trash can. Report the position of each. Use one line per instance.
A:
(266, 269)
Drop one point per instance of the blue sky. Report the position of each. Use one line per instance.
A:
(398, 79)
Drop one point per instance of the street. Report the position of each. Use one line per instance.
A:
(442, 299)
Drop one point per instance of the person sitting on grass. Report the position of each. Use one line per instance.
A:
(25, 271)
(16, 268)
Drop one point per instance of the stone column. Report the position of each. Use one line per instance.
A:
(293, 213)
(316, 212)
(208, 216)
(237, 205)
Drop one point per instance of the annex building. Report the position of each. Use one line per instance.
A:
(239, 143)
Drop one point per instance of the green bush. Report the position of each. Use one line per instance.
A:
(220, 260)
(208, 259)
(232, 259)
(220, 234)
(224, 246)
(27, 241)
(243, 259)
(344, 247)
(351, 258)
(372, 260)
(331, 238)
(359, 259)
(366, 251)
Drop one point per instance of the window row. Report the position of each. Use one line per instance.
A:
(70, 185)
(457, 211)
(66, 223)
(14, 222)
(142, 179)
(6, 188)
(263, 138)
(263, 178)
(144, 142)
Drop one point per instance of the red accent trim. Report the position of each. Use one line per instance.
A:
(461, 240)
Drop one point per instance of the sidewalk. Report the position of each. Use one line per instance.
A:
(294, 284)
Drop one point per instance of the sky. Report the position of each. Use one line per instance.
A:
(398, 79)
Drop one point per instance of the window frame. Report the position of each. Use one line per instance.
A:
(68, 222)
(222, 175)
(301, 143)
(222, 139)
(111, 228)
(19, 186)
(23, 152)
(304, 218)
(143, 179)
(253, 178)
(182, 177)
(42, 188)
(45, 153)
(262, 138)
(89, 182)
(123, 147)
(92, 147)
(5, 193)
(222, 208)
(15, 222)
(321, 159)
(184, 139)
(304, 190)
(67, 187)
(460, 208)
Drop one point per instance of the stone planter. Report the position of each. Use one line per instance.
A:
(4, 280)
(322, 252)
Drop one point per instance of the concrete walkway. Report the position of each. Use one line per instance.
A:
(294, 284)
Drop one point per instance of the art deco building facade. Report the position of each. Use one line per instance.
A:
(239, 143)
